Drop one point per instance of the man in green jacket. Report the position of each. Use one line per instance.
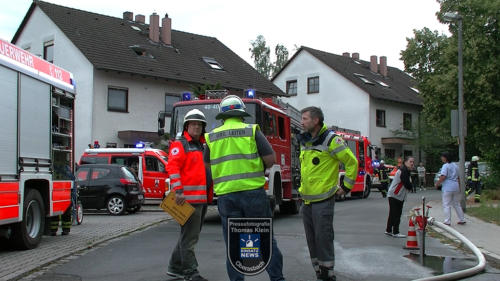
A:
(320, 155)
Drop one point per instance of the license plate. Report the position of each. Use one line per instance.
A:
(141, 196)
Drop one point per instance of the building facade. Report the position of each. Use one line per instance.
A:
(379, 101)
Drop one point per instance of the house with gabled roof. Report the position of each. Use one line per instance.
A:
(127, 70)
(380, 101)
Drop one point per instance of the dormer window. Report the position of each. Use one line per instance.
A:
(213, 63)
(142, 52)
(364, 79)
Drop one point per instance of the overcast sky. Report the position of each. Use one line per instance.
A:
(336, 26)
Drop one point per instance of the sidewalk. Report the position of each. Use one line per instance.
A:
(95, 229)
(482, 234)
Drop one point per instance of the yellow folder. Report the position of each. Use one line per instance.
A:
(180, 213)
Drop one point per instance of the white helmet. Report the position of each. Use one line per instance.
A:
(194, 115)
(382, 161)
(475, 158)
(231, 106)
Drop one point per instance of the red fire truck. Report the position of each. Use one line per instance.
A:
(278, 121)
(37, 144)
(362, 148)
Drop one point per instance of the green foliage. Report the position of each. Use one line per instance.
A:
(261, 55)
(431, 58)
(493, 182)
(487, 212)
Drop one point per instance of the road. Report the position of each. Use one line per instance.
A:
(363, 252)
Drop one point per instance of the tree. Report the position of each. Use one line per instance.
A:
(432, 60)
(281, 53)
(261, 54)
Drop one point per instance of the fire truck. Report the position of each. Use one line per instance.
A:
(278, 121)
(363, 150)
(37, 144)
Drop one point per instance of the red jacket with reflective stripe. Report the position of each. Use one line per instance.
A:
(186, 169)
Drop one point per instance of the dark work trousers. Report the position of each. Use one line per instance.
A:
(395, 210)
(183, 260)
(318, 226)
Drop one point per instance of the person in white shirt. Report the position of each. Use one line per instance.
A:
(450, 189)
(421, 176)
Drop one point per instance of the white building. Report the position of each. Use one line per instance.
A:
(126, 71)
(379, 101)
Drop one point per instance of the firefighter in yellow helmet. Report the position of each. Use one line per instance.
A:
(321, 152)
(474, 179)
(237, 154)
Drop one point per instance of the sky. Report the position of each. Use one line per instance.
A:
(336, 26)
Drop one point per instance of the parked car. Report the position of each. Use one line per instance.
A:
(109, 186)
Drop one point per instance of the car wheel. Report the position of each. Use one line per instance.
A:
(116, 205)
(79, 213)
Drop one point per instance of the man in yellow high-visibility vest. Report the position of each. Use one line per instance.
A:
(321, 152)
(237, 154)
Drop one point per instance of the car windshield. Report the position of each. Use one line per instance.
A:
(210, 110)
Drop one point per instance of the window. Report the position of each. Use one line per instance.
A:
(213, 63)
(313, 85)
(117, 100)
(98, 173)
(281, 127)
(82, 174)
(390, 153)
(380, 118)
(170, 99)
(364, 79)
(291, 87)
(48, 51)
(406, 121)
(152, 164)
(269, 124)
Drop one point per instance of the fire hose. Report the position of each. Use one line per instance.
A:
(462, 273)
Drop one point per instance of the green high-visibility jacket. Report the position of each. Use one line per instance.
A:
(319, 166)
(234, 159)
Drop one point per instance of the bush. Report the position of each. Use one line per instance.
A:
(491, 194)
(492, 181)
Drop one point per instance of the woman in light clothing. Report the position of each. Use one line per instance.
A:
(450, 188)
(400, 186)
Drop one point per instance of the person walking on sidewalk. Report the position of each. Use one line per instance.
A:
(421, 176)
(321, 152)
(237, 155)
(188, 180)
(398, 190)
(450, 189)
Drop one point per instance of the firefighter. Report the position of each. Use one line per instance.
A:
(384, 178)
(238, 154)
(320, 155)
(188, 180)
(474, 179)
(65, 220)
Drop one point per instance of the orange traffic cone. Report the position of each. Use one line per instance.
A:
(411, 239)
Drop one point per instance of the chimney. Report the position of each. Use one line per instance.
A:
(154, 27)
(166, 30)
(345, 54)
(128, 16)
(140, 18)
(383, 66)
(373, 64)
(355, 56)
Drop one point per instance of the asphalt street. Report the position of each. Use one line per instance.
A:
(363, 252)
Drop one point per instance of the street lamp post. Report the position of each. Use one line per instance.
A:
(455, 17)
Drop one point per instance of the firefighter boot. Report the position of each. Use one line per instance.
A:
(477, 198)
(324, 274)
(54, 225)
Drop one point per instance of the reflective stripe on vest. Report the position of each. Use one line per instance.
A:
(175, 176)
(349, 181)
(238, 177)
(243, 132)
(194, 187)
(319, 197)
(233, 157)
(196, 197)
